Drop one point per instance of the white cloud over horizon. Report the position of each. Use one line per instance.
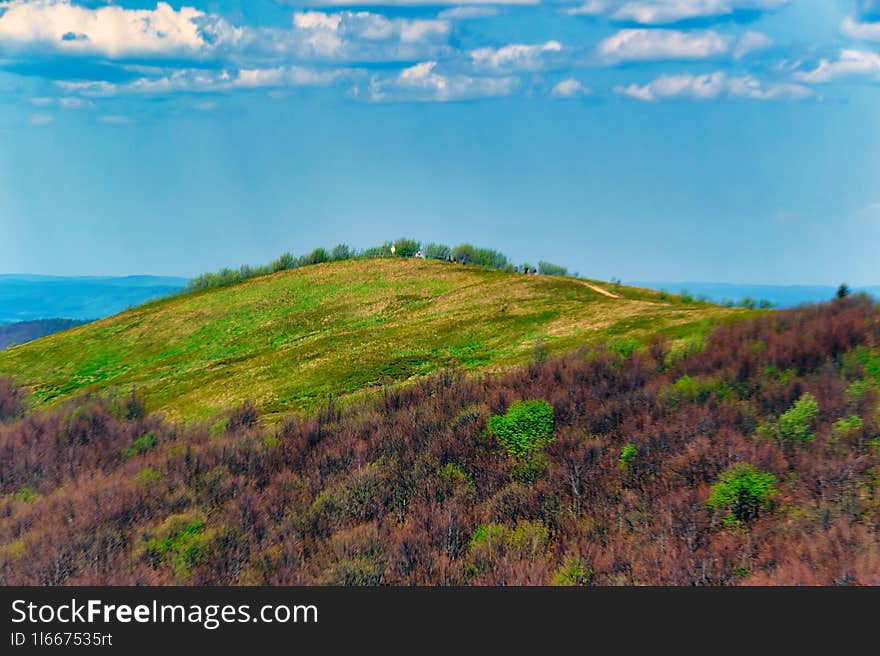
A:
(711, 86)
(665, 12)
(639, 44)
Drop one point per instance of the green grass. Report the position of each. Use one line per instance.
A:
(289, 339)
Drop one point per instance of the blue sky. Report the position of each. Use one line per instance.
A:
(722, 140)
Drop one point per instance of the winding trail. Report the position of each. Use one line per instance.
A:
(599, 290)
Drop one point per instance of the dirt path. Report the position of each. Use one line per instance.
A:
(599, 290)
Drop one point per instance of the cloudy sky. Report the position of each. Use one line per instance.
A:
(722, 140)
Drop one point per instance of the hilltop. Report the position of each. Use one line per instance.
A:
(290, 339)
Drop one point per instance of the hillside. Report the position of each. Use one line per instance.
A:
(754, 459)
(289, 339)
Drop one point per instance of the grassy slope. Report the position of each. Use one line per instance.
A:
(289, 339)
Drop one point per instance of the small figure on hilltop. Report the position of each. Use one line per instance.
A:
(843, 291)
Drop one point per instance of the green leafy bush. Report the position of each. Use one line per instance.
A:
(146, 476)
(797, 423)
(743, 491)
(627, 454)
(848, 426)
(525, 427)
(550, 269)
(573, 572)
(141, 445)
(27, 495)
(181, 542)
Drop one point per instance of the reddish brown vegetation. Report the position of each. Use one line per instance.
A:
(394, 490)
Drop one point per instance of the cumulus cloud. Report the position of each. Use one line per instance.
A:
(413, 3)
(366, 35)
(751, 42)
(849, 63)
(466, 13)
(664, 12)
(40, 120)
(516, 56)
(110, 31)
(424, 82)
(711, 86)
(207, 81)
(663, 44)
(569, 88)
(863, 31)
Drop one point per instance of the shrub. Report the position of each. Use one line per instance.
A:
(341, 252)
(27, 495)
(141, 445)
(434, 251)
(796, 424)
(454, 476)
(742, 491)
(573, 572)
(284, 262)
(848, 426)
(146, 476)
(624, 346)
(406, 247)
(550, 269)
(181, 542)
(525, 427)
(627, 454)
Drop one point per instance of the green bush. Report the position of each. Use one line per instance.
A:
(141, 445)
(146, 476)
(573, 572)
(743, 492)
(434, 251)
(847, 426)
(797, 423)
(627, 454)
(525, 427)
(550, 269)
(27, 495)
(181, 542)
(406, 247)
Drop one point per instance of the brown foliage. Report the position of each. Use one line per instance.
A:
(392, 490)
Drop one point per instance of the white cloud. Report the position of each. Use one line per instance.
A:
(569, 88)
(849, 63)
(711, 86)
(664, 12)
(116, 119)
(109, 31)
(40, 120)
(863, 31)
(751, 42)
(415, 3)
(516, 56)
(423, 82)
(201, 81)
(369, 36)
(663, 44)
(466, 13)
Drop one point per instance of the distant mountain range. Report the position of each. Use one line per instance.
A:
(28, 297)
(28, 331)
(781, 296)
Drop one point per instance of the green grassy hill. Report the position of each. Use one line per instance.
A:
(289, 339)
